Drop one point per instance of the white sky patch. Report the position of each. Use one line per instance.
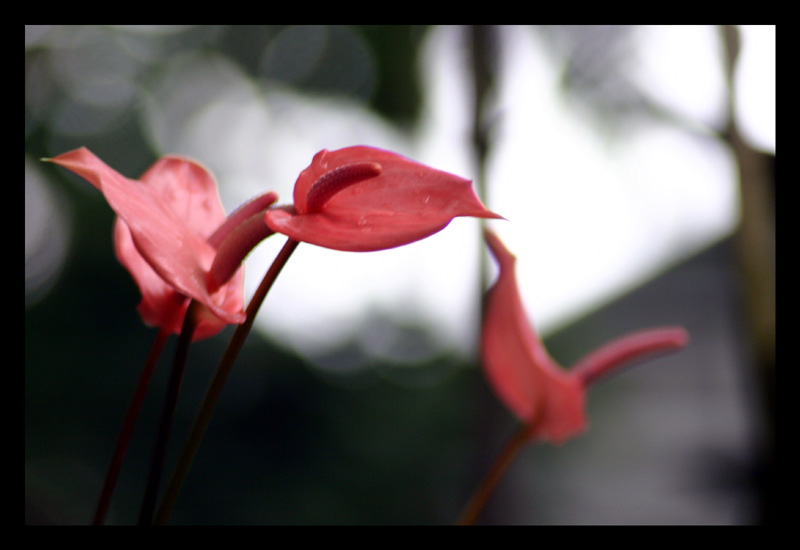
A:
(755, 86)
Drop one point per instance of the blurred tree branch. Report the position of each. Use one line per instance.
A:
(755, 241)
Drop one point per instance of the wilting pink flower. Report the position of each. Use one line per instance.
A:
(547, 398)
(363, 199)
(169, 228)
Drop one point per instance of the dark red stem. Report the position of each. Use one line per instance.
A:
(481, 496)
(214, 392)
(128, 424)
(168, 413)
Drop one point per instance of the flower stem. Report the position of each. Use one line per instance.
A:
(215, 390)
(168, 413)
(128, 424)
(481, 496)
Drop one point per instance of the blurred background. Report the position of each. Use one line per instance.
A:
(634, 167)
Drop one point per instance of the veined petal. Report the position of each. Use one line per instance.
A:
(355, 233)
(160, 301)
(188, 192)
(402, 202)
(169, 214)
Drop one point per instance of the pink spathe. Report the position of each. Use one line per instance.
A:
(163, 233)
(550, 400)
(363, 199)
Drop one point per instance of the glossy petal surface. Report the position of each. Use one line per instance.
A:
(407, 201)
(165, 219)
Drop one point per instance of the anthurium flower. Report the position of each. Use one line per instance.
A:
(551, 401)
(364, 199)
(172, 233)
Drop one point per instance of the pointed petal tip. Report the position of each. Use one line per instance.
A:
(170, 246)
(64, 158)
(489, 215)
(502, 255)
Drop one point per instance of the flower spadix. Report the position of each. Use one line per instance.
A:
(551, 401)
(169, 229)
(363, 199)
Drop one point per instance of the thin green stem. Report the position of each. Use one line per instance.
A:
(481, 496)
(217, 384)
(168, 413)
(128, 424)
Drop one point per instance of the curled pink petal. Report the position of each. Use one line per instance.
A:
(376, 200)
(162, 237)
(550, 400)
(161, 305)
(518, 366)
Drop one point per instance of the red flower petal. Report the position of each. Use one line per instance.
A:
(160, 301)
(518, 366)
(372, 200)
(550, 400)
(169, 215)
